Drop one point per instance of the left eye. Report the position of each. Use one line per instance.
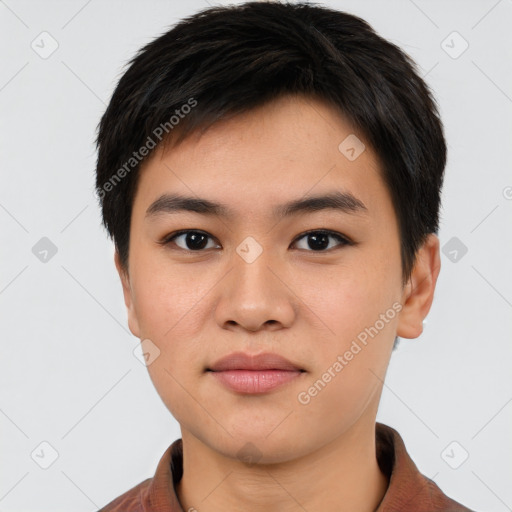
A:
(196, 241)
(319, 240)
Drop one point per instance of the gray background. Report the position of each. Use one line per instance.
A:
(69, 376)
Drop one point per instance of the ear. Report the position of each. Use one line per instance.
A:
(418, 293)
(133, 322)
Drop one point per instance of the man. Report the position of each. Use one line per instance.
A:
(271, 176)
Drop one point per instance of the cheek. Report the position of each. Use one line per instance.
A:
(359, 306)
(168, 299)
(169, 309)
(350, 361)
(349, 298)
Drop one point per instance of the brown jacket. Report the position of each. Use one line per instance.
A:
(408, 491)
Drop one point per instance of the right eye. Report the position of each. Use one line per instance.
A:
(191, 240)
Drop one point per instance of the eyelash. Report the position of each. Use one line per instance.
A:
(166, 241)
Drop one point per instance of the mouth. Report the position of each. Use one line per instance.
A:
(254, 374)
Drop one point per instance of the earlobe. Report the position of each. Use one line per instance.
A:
(133, 322)
(418, 294)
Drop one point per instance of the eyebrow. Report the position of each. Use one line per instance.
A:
(344, 202)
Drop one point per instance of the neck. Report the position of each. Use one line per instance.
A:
(341, 476)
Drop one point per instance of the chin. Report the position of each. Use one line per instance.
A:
(253, 448)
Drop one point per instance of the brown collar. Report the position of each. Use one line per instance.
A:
(408, 490)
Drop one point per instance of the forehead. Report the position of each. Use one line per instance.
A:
(290, 148)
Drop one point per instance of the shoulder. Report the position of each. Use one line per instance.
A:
(130, 501)
(156, 493)
(407, 486)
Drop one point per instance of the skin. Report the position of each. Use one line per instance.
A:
(305, 304)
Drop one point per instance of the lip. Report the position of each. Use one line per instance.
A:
(243, 361)
(254, 374)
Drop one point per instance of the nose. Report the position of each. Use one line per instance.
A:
(255, 294)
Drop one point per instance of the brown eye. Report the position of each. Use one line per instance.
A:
(190, 240)
(319, 240)
(197, 241)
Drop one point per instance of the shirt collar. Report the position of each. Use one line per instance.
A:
(407, 486)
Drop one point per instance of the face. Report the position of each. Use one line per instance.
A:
(249, 279)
